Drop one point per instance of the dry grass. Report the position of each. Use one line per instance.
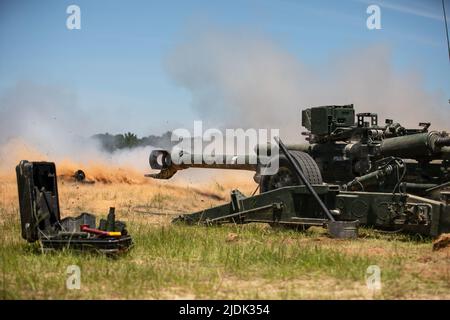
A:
(171, 261)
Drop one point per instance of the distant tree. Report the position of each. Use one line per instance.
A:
(130, 140)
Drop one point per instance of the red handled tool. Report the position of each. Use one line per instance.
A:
(85, 228)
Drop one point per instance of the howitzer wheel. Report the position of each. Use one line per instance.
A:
(286, 175)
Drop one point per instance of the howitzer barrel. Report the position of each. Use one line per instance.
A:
(162, 160)
(244, 162)
(415, 146)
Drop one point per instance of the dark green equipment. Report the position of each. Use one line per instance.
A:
(384, 176)
(41, 221)
(294, 206)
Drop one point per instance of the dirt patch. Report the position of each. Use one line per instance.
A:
(100, 172)
(442, 242)
(232, 237)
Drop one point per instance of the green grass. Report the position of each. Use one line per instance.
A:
(178, 261)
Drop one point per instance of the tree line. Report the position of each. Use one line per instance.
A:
(129, 140)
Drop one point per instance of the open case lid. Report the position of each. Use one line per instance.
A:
(38, 198)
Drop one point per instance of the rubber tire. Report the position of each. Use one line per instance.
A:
(279, 180)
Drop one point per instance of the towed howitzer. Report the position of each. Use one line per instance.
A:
(340, 150)
(303, 206)
(387, 177)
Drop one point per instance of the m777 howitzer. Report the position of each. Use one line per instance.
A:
(384, 176)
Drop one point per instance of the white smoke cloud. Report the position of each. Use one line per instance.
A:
(45, 116)
(46, 122)
(244, 79)
(236, 79)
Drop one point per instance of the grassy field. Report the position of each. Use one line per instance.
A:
(230, 262)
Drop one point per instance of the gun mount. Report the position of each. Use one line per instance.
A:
(339, 208)
(351, 170)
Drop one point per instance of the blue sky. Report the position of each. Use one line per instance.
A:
(114, 66)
